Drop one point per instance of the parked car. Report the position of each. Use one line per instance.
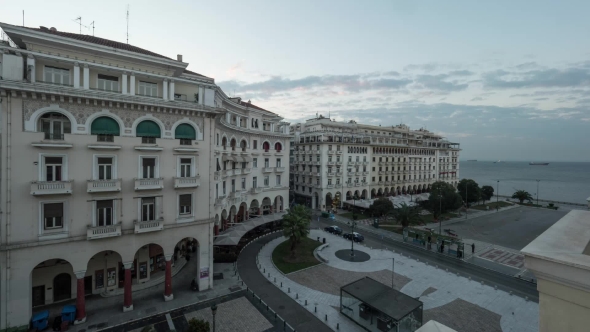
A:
(333, 229)
(356, 237)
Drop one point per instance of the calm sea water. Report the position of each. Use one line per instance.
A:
(566, 182)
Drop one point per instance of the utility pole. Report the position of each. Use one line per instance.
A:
(466, 204)
(497, 193)
(92, 28)
(440, 214)
(538, 191)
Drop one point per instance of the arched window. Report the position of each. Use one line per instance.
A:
(278, 146)
(232, 143)
(224, 142)
(55, 125)
(185, 133)
(105, 128)
(148, 131)
(243, 145)
(266, 146)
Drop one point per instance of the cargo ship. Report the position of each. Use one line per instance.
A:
(538, 164)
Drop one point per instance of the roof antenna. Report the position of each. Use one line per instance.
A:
(23, 17)
(127, 23)
(92, 28)
(79, 19)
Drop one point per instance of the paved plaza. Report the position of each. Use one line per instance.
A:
(237, 315)
(456, 301)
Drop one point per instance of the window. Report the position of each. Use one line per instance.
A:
(148, 168)
(330, 158)
(56, 75)
(105, 138)
(148, 131)
(329, 148)
(233, 185)
(266, 181)
(184, 141)
(108, 83)
(53, 168)
(337, 147)
(329, 182)
(337, 180)
(278, 180)
(278, 162)
(185, 167)
(266, 162)
(53, 214)
(185, 133)
(254, 182)
(185, 203)
(349, 158)
(104, 213)
(148, 89)
(55, 125)
(105, 128)
(243, 183)
(223, 187)
(148, 209)
(105, 168)
(148, 140)
(255, 144)
(317, 147)
(357, 158)
(254, 162)
(217, 139)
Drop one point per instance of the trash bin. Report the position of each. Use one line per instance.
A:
(68, 313)
(39, 320)
(324, 241)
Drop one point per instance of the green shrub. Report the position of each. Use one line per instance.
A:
(198, 325)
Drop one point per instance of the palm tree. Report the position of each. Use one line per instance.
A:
(522, 195)
(296, 225)
(406, 214)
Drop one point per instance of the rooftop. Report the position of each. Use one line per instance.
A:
(387, 300)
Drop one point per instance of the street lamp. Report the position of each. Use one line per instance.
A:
(440, 214)
(214, 311)
(538, 191)
(352, 226)
(497, 193)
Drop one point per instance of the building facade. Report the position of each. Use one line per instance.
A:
(113, 169)
(334, 161)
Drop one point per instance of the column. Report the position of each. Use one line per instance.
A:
(127, 300)
(201, 95)
(171, 90)
(124, 89)
(168, 281)
(260, 210)
(165, 89)
(238, 121)
(76, 75)
(247, 216)
(86, 77)
(216, 229)
(31, 68)
(80, 298)
(132, 84)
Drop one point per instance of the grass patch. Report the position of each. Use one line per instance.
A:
(359, 216)
(492, 205)
(429, 218)
(304, 257)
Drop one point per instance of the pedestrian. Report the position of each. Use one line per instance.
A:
(472, 248)
(442, 247)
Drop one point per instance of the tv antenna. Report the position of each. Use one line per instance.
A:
(79, 21)
(92, 28)
(127, 23)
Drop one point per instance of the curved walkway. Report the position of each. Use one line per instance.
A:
(298, 317)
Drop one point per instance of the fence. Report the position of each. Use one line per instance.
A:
(548, 201)
(279, 322)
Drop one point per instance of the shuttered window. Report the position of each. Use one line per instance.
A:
(148, 129)
(185, 131)
(185, 202)
(53, 215)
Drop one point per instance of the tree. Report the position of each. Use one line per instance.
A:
(296, 225)
(406, 214)
(381, 207)
(471, 189)
(450, 201)
(197, 325)
(522, 195)
(487, 192)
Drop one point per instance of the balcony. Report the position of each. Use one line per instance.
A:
(102, 186)
(279, 169)
(339, 152)
(381, 172)
(349, 184)
(101, 232)
(246, 170)
(267, 169)
(266, 153)
(237, 171)
(365, 162)
(365, 173)
(51, 188)
(149, 184)
(257, 190)
(357, 184)
(149, 226)
(191, 182)
(380, 183)
(220, 201)
(235, 194)
(338, 163)
(330, 174)
(331, 151)
(330, 163)
(308, 152)
(330, 186)
(338, 173)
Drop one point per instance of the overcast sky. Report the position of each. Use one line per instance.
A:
(508, 80)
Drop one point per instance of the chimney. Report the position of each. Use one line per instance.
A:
(43, 28)
(179, 57)
(52, 29)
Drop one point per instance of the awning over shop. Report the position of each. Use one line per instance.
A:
(232, 235)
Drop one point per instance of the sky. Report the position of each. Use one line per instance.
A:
(507, 80)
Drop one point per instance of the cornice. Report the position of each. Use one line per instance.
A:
(260, 133)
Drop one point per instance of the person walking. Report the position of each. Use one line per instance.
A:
(429, 241)
(442, 247)
(472, 248)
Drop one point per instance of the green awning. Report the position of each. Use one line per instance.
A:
(185, 131)
(148, 128)
(105, 126)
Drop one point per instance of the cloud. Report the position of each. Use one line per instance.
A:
(477, 99)
(546, 78)
(235, 69)
(439, 83)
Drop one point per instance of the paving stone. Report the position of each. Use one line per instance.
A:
(234, 316)
(464, 316)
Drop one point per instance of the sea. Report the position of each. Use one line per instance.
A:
(559, 181)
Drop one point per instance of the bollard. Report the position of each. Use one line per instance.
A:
(269, 274)
(242, 282)
(315, 309)
(275, 280)
(235, 273)
(337, 326)
(297, 296)
(281, 284)
(275, 316)
(305, 302)
(326, 317)
(289, 290)
(264, 271)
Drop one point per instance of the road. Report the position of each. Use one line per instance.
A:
(504, 282)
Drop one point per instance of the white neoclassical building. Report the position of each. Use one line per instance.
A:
(333, 161)
(117, 162)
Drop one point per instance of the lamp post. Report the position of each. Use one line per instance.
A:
(440, 214)
(497, 193)
(538, 191)
(466, 202)
(352, 226)
(214, 311)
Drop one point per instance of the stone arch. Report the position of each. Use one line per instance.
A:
(380, 192)
(404, 190)
(32, 123)
(357, 193)
(399, 190)
(148, 117)
(278, 146)
(348, 195)
(266, 146)
(45, 274)
(224, 217)
(243, 212)
(233, 214)
(278, 204)
(108, 114)
(217, 224)
(266, 205)
(373, 193)
(111, 264)
(243, 144)
(254, 208)
(364, 194)
(328, 200)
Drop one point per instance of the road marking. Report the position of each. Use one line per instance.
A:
(170, 323)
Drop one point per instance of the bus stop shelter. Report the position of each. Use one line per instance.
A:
(377, 307)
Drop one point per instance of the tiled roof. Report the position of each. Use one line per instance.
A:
(247, 104)
(186, 71)
(101, 41)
